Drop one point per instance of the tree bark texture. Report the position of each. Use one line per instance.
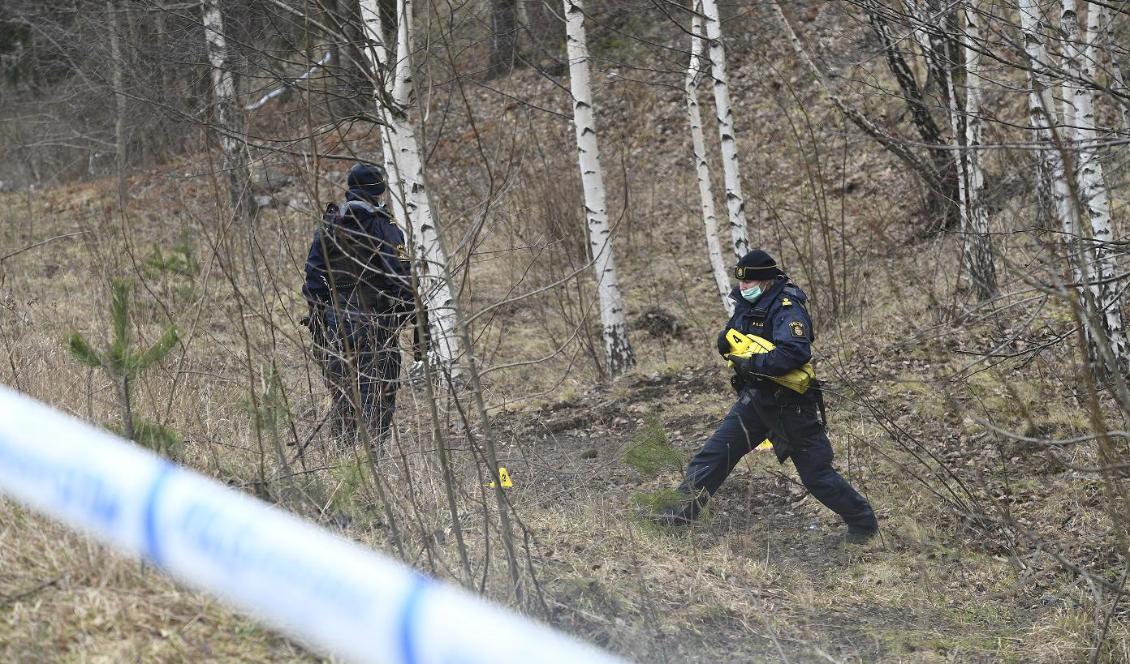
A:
(504, 37)
(618, 350)
(941, 179)
(1094, 197)
(925, 170)
(117, 80)
(695, 72)
(1109, 41)
(1069, 62)
(977, 239)
(407, 184)
(731, 168)
(226, 119)
(351, 79)
(1044, 119)
(384, 71)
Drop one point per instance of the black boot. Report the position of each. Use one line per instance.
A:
(862, 528)
(680, 513)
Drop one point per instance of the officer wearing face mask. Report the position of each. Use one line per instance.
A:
(768, 305)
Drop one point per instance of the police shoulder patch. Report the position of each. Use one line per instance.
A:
(402, 252)
(797, 327)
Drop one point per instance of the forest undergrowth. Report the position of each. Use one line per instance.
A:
(993, 547)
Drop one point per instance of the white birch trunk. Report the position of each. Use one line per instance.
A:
(1069, 63)
(384, 73)
(408, 188)
(1118, 82)
(705, 190)
(918, 19)
(979, 242)
(731, 170)
(960, 156)
(226, 117)
(615, 328)
(1043, 118)
(1096, 202)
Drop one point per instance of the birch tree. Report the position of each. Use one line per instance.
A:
(1042, 118)
(695, 72)
(393, 90)
(615, 329)
(1053, 177)
(226, 118)
(383, 79)
(450, 331)
(978, 243)
(731, 169)
(1093, 192)
(118, 81)
(1110, 42)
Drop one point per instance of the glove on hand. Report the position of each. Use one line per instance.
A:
(743, 366)
(723, 344)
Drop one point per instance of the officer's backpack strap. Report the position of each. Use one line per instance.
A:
(361, 205)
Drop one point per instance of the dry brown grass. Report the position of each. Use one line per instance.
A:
(763, 579)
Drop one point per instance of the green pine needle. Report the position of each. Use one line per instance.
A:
(160, 439)
(651, 452)
(157, 351)
(82, 351)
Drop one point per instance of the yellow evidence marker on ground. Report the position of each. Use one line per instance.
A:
(504, 475)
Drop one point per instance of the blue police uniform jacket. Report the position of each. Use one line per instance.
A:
(779, 316)
(358, 261)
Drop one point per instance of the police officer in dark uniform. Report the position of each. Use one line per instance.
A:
(358, 289)
(771, 307)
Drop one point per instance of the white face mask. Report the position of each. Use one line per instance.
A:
(751, 294)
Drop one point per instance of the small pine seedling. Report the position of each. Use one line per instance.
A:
(123, 364)
(651, 452)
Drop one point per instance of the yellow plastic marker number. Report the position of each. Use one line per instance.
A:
(504, 475)
(765, 446)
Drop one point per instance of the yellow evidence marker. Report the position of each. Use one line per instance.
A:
(746, 345)
(764, 446)
(504, 475)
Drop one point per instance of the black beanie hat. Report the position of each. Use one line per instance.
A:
(367, 179)
(757, 265)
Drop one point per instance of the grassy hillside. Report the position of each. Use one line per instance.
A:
(993, 549)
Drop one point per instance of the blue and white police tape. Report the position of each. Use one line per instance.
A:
(333, 594)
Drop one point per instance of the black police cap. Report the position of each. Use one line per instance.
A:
(368, 178)
(757, 265)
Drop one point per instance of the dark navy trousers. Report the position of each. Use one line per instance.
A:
(790, 421)
(360, 361)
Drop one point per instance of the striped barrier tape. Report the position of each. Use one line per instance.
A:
(333, 594)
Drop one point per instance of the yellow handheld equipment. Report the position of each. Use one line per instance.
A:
(746, 345)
